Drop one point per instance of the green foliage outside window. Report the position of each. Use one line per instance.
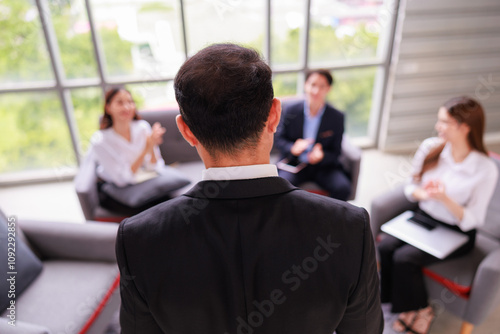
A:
(23, 54)
(34, 133)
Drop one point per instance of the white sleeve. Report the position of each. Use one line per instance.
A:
(417, 162)
(475, 210)
(159, 159)
(147, 159)
(111, 161)
(149, 166)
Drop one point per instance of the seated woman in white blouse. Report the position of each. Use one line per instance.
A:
(126, 151)
(453, 183)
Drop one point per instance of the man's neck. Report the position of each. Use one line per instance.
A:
(244, 158)
(315, 108)
(234, 161)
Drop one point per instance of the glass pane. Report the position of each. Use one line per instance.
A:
(287, 22)
(23, 52)
(73, 36)
(88, 105)
(140, 38)
(352, 94)
(153, 96)
(219, 21)
(285, 84)
(34, 133)
(345, 30)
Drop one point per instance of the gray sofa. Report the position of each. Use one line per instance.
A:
(468, 286)
(177, 152)
(77, 288)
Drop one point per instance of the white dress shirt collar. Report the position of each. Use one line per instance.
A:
(469, 165)
(239, 172)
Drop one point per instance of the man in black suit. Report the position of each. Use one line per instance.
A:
(244, 251)
(311, 133)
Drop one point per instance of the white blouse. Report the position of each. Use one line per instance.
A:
(115, 155)
(470, 183)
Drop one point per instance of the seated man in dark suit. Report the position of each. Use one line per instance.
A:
(244, 251)
(311, 133)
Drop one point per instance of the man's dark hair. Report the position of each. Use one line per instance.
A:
(225, 94)
(328, 76)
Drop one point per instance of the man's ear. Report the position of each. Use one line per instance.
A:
(273, 120)
(185, 131)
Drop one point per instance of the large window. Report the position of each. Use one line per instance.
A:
(57, 57)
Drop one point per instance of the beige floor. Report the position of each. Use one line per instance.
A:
(379, 172)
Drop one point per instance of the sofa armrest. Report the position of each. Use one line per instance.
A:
(387, 206)
(485, 290)
(91, 241)
(350, 158)
(86, 186)
(350, 151)
(21, 327)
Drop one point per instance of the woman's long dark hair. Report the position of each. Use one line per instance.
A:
(464, 110)
(106, 120)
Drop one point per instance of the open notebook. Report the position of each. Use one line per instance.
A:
(438, 241)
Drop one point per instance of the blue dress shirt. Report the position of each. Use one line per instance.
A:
(311, 126)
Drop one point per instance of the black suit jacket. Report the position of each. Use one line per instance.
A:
(249, 256)
(330, 132)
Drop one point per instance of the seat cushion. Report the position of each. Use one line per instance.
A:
(16, 258)
(458, 273)
(66, 294)
(21, 327)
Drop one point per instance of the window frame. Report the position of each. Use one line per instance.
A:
(63, 86)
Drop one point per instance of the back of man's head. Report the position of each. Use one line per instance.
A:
(225, 93)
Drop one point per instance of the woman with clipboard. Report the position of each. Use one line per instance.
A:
(453, 182)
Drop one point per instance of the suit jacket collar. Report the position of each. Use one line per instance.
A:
(239, 189)
(325, 124)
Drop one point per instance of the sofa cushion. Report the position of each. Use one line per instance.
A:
(66, 294)
(25, 265)
(21, 327)
(138, 195)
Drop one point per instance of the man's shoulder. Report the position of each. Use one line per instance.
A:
(179, 214)
(166, 215)
(330, 207)
(333, 111)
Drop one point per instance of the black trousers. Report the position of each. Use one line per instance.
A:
(333, 179)
(401, 277)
